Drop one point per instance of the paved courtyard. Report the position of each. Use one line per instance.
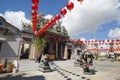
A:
(65, 70)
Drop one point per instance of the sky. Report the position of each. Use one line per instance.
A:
(93, 19)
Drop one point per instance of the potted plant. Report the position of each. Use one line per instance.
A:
(10, 67)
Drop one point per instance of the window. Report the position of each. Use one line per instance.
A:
(1, 22)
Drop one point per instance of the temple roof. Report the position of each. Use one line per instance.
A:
(56, 28)
(2, 20)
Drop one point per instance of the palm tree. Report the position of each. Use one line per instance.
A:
(39, 43)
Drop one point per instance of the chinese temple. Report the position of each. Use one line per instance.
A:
(55, 37)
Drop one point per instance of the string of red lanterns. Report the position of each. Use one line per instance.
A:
(34, 14)
(100, 42)
(57, 17)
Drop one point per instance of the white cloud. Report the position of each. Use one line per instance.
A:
(15, 18)
(91, 14)
(48, 16)
(114, 33)
(83, 39)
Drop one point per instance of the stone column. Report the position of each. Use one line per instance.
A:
(56, 49)
(65, 52)
(61, 51)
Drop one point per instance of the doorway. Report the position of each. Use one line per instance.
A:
(25, 49)
(69, 53)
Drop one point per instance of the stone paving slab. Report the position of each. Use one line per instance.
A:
(65, 70)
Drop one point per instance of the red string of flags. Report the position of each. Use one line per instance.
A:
(100, 42)
(104, 50)
(53, 20)
(114, 43)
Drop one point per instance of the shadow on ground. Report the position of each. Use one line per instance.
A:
(23, 77)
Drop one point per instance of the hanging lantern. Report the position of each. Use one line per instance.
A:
(34, 7)
(34, 17)
(33, 27)
(112, 43)
(117, 40)
(103, 41)
(63, 11)
(107, 40)
(95, 40)
(116, 43)
(34, 13)
(53, 20)
(80, 1)
(57, 17)
(70, 6)
(35, 1)
(99, 40)
(92, 41)
(112, 40)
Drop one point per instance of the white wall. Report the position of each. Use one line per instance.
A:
(9, 49)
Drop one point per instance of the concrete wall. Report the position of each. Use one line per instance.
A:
(9, 49)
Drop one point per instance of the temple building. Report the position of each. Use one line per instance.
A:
(56, 38)
(9, 40)
(20, 43)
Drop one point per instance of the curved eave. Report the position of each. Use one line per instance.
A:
(56, 34)
(9, 24)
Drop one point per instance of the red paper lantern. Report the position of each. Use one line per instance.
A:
(49, 22)
(46, 26)
(70, 6)
(112, 40)
(34, 17)
(34, 13)
(35, 1)
(116, 43)
(117, 40)
(53, 20)
(63, 11)
(106, 43)
(34, 7)
(95, 40)
(103, 41)
(112, 43)
(33, 27)
(107, 40)
(80, 1)
(57, 17)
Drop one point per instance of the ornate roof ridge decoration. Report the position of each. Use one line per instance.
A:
(26, 27)
(56, 28)
(41, 21)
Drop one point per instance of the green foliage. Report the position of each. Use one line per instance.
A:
(9, 62)
(39, 42)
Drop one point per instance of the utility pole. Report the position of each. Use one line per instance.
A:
(96, 45)
(94, 35)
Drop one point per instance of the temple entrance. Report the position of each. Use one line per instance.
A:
(25, 48)
(69, 53)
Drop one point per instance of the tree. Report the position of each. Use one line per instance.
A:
(39, 43)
